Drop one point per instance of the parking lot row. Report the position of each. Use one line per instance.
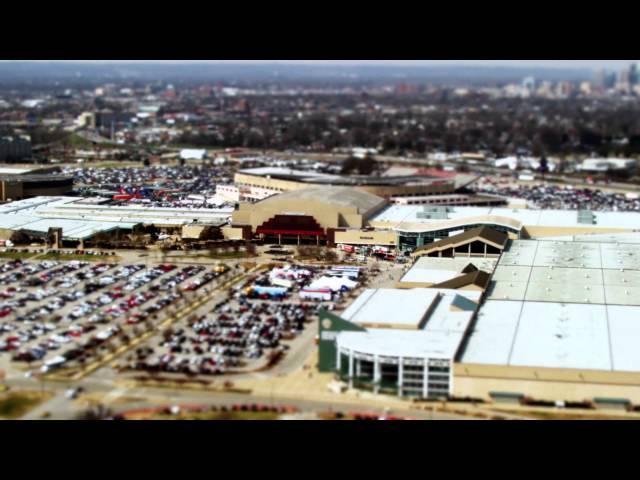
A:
(69, 310)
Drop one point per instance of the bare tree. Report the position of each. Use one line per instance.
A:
(250, 248)
(96, 412)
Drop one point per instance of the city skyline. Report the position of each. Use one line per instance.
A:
(594, 64)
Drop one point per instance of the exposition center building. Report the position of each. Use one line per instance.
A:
(314, 215)
(548, 320)
(335, 215)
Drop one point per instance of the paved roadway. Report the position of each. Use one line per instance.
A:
(61, 408)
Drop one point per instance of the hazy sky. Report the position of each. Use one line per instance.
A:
(614, 64)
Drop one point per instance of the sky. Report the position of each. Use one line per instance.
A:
(611, 64)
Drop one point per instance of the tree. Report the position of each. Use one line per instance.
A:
(330, 255)
(96, 412)
(544, 166)
(167, 334)
(250, 248)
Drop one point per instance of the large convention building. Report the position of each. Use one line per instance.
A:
(255, 184)
(348, 216)
(312, 215)
(550, 320)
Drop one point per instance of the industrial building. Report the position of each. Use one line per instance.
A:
(15, 149)
(23, 219)
(18, 182)
(85, 220)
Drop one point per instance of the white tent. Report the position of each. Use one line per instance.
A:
(333, 283)
(188, 154)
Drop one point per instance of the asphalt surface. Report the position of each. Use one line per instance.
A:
(60, 407)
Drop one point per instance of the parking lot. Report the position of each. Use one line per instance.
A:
(66, 314)
(63, 317)
(155, 185)
(564, 197)
(250, 327)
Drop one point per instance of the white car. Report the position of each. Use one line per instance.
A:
(73, 393)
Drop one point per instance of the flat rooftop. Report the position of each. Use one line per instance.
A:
(397, 215)
(555, 304)
(401, 343)
(555, 335)
(77, 208)
(439, 337)
(568, 272)
(71, 229)
(380, 306)
(632, 237)
(80, 220)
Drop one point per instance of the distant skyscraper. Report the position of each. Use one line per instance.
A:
(600, 78)
(529, 85)
(610, 80)
(633, 74)
(624, 80)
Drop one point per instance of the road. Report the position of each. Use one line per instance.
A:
(60, 407)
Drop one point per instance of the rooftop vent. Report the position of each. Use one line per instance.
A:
(438, 212)
(586, 217)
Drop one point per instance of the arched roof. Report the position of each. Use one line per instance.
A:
(338, 196)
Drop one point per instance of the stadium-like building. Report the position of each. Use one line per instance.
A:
(311, 215)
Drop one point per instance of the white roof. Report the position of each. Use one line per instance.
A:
(440, 337)
(71, 208)
(14, 171)
(192, 153)
(527, 217)
(556, 335)
(561, 305)
(80, 220)
(334, 283)
(401, 343)
(624, 332)
(75, 230)
(632, 237)
(376, 306)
